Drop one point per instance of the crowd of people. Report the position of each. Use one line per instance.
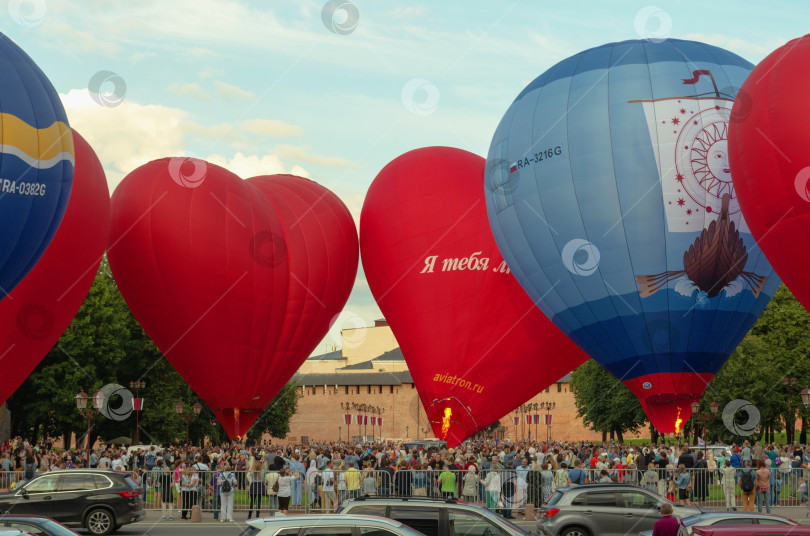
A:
(504, 476)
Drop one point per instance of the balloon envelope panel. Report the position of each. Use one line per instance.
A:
(610, 196)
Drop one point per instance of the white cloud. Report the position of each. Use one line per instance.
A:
(230, 92)
(252, 165)
(131, 134)
(219, 133)
(191, 89)
(272, 128)
(302, 154)
(128, 135)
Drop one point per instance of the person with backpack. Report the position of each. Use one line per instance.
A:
(227, 490)
(29, 468)
(747, 483)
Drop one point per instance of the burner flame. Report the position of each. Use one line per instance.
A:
(446, 422)
(678, 422)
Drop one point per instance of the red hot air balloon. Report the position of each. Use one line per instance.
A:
(475, 344)
(222, 271)
(768, 140)
(39, 309)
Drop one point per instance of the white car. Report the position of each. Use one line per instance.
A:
(328, 524)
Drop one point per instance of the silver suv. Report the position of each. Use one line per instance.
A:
(326, 525)
(604, 510)
(434, 517)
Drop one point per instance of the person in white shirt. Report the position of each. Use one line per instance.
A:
(330, 500)
(117, 463)
(284, 490)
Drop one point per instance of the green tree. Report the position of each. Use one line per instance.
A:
(776, 347)
(604, 403)
(275, 420)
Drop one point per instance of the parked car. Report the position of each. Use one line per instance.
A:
(98, 500)
(752, 530)
(725, 449)
(434, 517)
(330, 524)
(603, 510)
(42, 526)
(425, 444)
(729, 518)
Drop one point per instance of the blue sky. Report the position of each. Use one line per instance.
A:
(264, 87)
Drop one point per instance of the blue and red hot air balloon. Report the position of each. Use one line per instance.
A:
(610, 196)
(36, 164)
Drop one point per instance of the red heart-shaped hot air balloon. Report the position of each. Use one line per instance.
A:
(768, 140)
(235, 281)
(39, 309)
(475, 344)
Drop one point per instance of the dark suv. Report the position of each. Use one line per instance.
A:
(96, 499)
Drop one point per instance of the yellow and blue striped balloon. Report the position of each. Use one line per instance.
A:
(36, 163)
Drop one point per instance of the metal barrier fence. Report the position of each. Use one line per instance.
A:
(497, 490)
(507, 489)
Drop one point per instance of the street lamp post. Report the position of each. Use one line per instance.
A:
(406, 432)
(702, 418)
(137, 405)
(548, 406)
(805, 394)
(178, 409)
(789, 384)
(89, 413)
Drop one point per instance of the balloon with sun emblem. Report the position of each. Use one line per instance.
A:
(610, 196)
